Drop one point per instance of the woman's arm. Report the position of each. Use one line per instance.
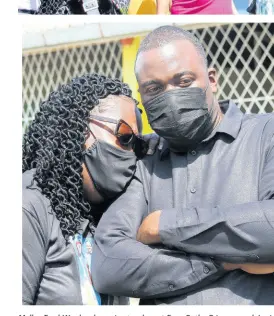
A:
(163, 6)
(34, 253)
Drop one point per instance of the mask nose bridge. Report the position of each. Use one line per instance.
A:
(173, 108)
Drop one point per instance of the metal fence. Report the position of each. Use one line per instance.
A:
(45, 71)
(243, 55)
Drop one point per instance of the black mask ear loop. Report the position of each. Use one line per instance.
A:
(205, 91)
(206, 88)
(85, 152)
(95, 138)
(211, 108)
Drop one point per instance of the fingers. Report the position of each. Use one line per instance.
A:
(161, 143)
(153, 141)
(152, 144)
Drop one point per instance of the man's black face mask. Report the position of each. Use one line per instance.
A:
(181, 116)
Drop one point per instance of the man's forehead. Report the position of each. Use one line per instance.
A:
(168, 51)
(176, 53)
(172, 58)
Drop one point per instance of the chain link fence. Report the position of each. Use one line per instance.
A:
(243, 55)
(45, 71)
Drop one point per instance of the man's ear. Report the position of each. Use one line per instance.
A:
(212, 75)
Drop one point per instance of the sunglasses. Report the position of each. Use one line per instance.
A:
(125, 135)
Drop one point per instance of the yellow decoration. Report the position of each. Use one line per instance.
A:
(142, 7)
(128, 61)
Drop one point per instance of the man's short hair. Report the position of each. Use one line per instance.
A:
(166, 34)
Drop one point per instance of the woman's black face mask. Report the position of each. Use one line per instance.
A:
(112, 168)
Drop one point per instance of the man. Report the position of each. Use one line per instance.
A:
(201, 210)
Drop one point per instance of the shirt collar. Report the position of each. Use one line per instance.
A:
(232, 120)
(230, 124)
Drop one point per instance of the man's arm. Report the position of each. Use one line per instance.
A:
(123, 266)
(237, 234)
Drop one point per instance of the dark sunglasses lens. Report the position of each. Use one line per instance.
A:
(140, 147)
(125, 134)
(125, 139)
(124, 129)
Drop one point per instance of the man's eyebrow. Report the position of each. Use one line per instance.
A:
(183, 73)
(147, 83)
(176, 76)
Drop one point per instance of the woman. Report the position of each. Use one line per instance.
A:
(196, 7)
(79, 154)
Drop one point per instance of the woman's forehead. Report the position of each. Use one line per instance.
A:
(115, 106)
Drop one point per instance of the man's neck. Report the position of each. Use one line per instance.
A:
(218, 115)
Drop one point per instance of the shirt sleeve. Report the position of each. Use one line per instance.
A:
(238, 234)
(34, 249)
(123, 266)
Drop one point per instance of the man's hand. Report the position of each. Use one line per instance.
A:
(153, 141)
(257, 268)
(148, 232)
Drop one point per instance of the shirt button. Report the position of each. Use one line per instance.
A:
(192, 190)
(171, 287)
(206, 270)
(193, 153)
(254, 257)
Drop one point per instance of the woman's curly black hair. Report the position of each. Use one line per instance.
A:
(54, 146)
